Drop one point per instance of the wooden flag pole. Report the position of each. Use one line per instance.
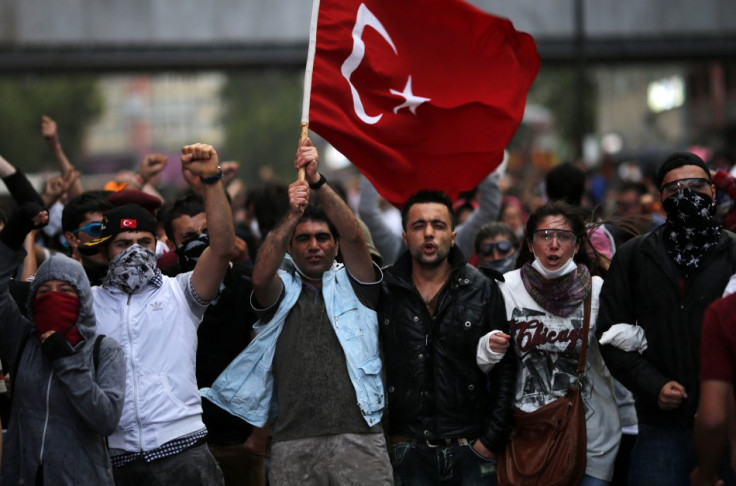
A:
(308, 79)
(300, 175)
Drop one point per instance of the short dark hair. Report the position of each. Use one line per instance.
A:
(315, 212)
(493, 229)
(189, 204)
(565, 182)
(269, 203)
(75, 211)
(679, 159)
(423, 197)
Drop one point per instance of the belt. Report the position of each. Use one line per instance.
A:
(430, 443)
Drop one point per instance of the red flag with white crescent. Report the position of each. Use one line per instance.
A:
(419, 94)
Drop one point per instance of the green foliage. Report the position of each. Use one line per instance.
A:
(262, 117)
(72, 101)
(557, 89)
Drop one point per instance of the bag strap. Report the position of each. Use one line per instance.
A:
(96, 351)
(586, 328)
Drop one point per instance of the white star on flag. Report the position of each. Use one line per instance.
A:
(411, 100)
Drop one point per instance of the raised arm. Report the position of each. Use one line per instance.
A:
(352, 244)
(388, 243)
(151, 166)
(50, 133)
(201, 160)
(267, 284)
(19, 187)
(488, 208)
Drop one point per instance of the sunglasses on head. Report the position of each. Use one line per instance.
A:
(487, 249)
(92, 229)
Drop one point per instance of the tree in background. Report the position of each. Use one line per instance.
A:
(261, 122)
(72, 101)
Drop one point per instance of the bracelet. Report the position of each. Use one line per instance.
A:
(212, 179)
(319, 183)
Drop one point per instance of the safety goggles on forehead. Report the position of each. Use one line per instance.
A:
(546, 235)
(487, 249)
(92, 229)
(699, 184)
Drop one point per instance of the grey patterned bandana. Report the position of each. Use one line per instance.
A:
(691, 230)
(133, 269)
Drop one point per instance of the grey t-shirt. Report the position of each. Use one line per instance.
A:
(313, 389)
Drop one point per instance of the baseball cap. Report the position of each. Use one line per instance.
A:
(130, 217)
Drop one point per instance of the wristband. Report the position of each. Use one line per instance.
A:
(319, 183)
(212, 179)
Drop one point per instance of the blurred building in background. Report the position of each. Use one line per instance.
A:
(620, 81)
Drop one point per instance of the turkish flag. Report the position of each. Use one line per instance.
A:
(419, 94)
(127, 223)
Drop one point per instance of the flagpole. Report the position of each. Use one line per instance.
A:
(308, 78)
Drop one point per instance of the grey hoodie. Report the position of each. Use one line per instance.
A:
(62, 410)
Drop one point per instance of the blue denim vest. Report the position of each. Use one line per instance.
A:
(245, 388)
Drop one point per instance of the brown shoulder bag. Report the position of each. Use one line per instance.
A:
(548, 446)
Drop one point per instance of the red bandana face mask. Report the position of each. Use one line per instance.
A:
(57, 311)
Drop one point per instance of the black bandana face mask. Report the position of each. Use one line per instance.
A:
(190, 251)
(692, 229)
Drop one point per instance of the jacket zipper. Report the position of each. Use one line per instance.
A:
(134, 373)
(337, 317)
(46, 420)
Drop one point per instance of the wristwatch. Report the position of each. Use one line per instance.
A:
(319, 183)
(212, 179)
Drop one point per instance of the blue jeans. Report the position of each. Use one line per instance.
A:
(591, 481)
(418, 465)
(665, 456)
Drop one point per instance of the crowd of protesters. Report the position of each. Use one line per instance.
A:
(296, 334)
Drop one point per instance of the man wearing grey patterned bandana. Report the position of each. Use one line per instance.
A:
(652, 306)
(161, 436)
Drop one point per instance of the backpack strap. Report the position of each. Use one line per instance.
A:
(96, 351)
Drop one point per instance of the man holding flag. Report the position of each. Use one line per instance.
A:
(314, 360)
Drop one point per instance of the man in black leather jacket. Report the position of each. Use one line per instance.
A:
(434, 307)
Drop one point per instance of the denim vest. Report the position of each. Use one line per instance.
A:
(245, 388)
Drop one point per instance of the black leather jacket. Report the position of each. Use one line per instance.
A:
(644, 287)
(435, 388)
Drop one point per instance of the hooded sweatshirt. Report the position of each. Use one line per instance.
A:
(62, 410)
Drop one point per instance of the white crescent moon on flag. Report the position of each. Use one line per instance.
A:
(364, 18)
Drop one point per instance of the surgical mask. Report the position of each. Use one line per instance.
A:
(553, 274)
(190, 251)
(132, 269)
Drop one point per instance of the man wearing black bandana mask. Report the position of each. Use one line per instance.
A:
(226, 330)
(652, 306)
